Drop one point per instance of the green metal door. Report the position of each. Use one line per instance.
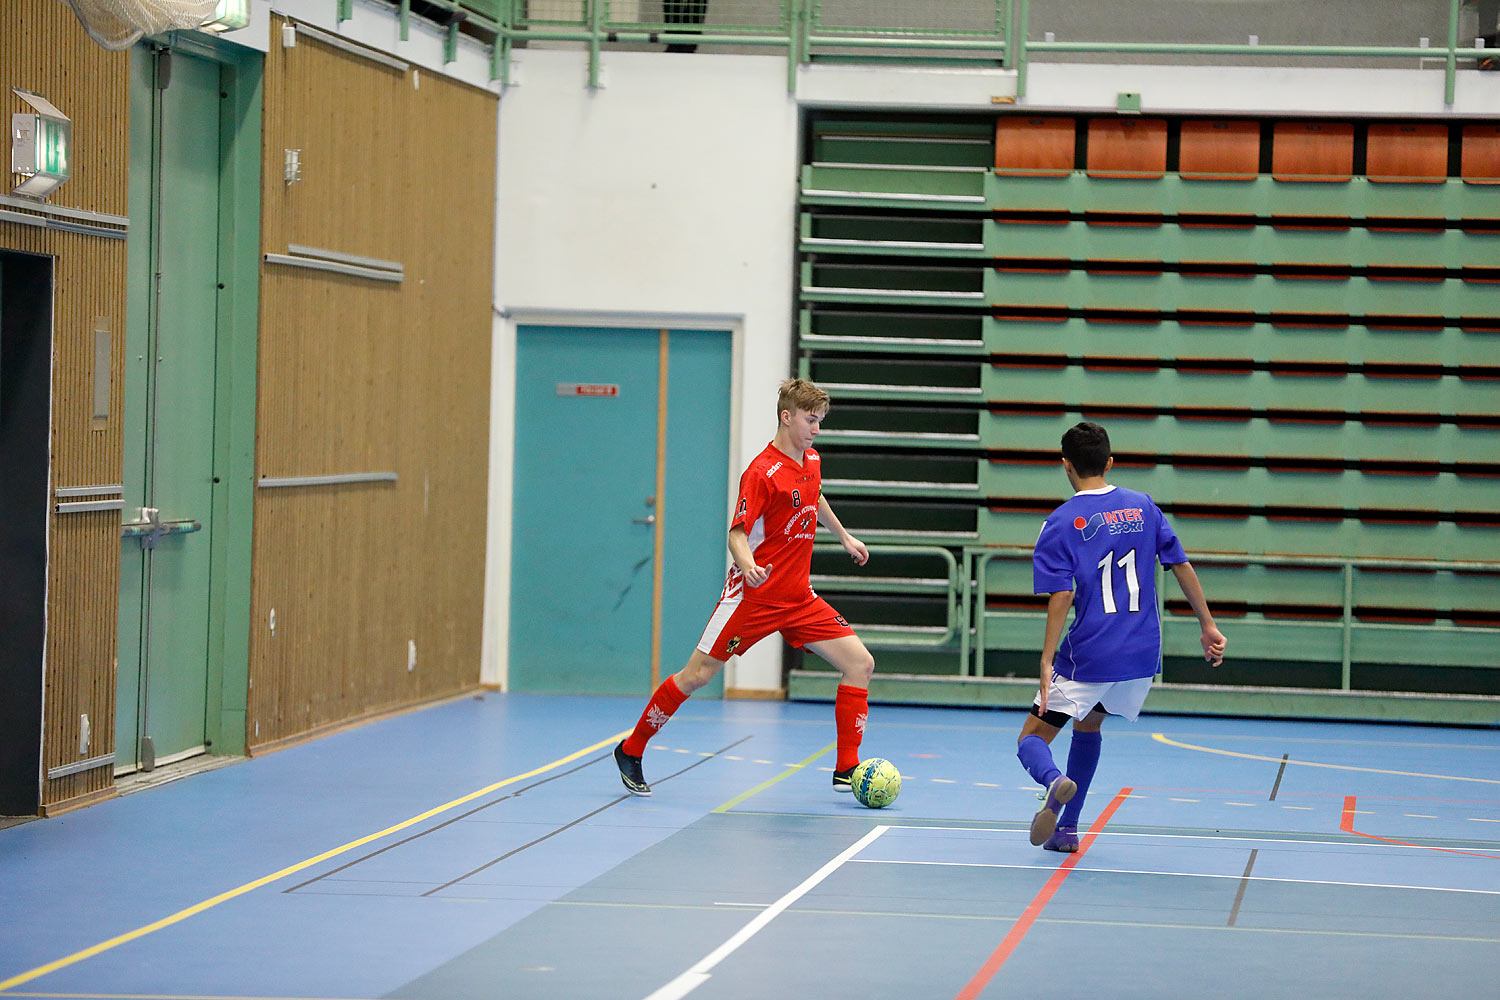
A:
(171, 341)
(587, 511)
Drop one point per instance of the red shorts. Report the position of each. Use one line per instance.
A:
(736, 626)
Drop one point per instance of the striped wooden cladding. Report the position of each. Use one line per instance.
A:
(363, 376)
(43, 48)
(83, 592)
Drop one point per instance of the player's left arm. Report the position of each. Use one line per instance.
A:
(852, 545)
(1212, 639)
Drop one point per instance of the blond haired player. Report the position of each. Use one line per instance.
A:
(771, 535)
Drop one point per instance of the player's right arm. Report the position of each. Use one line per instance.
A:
(744, 558)
(1058, 604)
(1212, 639)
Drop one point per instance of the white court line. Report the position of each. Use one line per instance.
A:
(1133, 871)
(1194, 836)
(699, 974)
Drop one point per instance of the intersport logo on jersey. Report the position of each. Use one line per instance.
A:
(1119, 522)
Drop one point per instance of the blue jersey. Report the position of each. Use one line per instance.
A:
(1104, 545)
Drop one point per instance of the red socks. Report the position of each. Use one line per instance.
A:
(658, 710)
(850, 709)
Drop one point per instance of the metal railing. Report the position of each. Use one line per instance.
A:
(897, 636)
(981, 559)
(805, 28)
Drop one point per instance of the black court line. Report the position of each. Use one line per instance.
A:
(447, 822)
(1239, 896)
(573, 823)
(1280, 771)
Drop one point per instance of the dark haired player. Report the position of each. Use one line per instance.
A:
(1097, 553)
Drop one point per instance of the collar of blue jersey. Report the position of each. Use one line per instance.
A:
(1095, 493)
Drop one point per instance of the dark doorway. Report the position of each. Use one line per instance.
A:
(25, 407)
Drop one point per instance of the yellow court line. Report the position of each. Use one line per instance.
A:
(224, 897)
(1162, 738)
(790, 769)
(158, 996)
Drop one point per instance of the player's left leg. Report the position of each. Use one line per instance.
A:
(855, 665)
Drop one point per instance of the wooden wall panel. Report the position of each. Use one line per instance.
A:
(43, 48)
(359, 376)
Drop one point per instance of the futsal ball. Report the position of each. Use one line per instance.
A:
(876, 783)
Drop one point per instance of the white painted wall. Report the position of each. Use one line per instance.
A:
(667, 197)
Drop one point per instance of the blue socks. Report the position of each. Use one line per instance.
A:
(1036, 756)
(1083, 758)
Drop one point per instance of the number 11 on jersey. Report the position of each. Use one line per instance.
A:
(1107, 582)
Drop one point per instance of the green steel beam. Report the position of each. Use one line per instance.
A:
(595, 16)
(792, 11)
(450, 44)
(1450, 71)
(345, 10)
(1023, 28)
(403, 18)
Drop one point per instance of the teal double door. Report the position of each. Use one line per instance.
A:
(621, 504)
(171, 343)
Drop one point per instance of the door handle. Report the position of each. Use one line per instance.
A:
(149, 527)
(648, 519)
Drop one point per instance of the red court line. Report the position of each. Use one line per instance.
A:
(1020, 927)
(1347, 825)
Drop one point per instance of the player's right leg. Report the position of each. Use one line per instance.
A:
(733, 628)
(1083, 760)
(667, 698)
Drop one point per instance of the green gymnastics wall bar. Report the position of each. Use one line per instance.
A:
(1344, 639)
(801, 28)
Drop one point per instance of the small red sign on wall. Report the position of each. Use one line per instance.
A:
(587, 389)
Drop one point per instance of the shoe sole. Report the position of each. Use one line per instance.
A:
(1045, 820)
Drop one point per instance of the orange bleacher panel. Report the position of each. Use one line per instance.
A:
(1127, 147)
(1480, 162)
(1313, 151)
(1219, 151)
(1416, 154)
(1035, 147)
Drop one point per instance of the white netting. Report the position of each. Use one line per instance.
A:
(118, 24)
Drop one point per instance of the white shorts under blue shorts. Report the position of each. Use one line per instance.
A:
(1078, 698)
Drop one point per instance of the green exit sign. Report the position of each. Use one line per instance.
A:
(41, 147)
(228, 15)
(52, 141)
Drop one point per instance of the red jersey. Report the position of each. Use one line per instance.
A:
(778, 510)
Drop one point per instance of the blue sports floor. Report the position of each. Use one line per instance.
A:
(484, 849)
